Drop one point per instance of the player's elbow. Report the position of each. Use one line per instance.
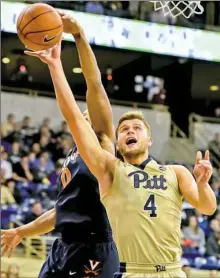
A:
(94, 83)
(208, 210)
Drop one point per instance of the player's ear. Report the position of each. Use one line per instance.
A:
(150, 142)
(116, 144)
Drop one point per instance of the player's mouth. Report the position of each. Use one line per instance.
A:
(131, 141)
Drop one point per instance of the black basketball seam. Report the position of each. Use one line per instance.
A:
(23, 17)
(34, 32)
(35, 42)
(34, 19)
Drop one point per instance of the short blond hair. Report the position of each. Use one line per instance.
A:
(133, 115)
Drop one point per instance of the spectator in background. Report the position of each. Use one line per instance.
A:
(6, 196)
(134, 9)
(43, 131)
(4, 274)
(27, 130)
(42, 168)
(15, 135)
(37, 210)
(13, 271)
(64, 131)
(194, 233)
(56, 173)
(94, 7)
(9, 126)
(36, 149)
(14, 190)
(21, 171)
(47, 123)
(6, 167)
(216, 187)
(214, 148)
(45, 143)
(214, 225)
(213, 246)
(63, 149)
(15, 153)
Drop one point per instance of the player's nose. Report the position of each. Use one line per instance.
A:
(130, 131)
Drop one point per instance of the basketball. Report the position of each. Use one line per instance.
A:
(39, 27)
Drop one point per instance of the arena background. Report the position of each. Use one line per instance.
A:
(168, 68)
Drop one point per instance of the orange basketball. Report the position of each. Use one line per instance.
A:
(39, 26)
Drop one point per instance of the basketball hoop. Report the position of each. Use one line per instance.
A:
(176, 8)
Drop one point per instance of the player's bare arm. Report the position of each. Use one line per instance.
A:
(96, 96)
(197, 191)
(100, 162)
(12, 237)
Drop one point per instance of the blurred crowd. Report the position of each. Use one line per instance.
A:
(31, 161)
(144, 10)
(12, 272)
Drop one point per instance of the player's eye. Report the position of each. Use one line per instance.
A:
(124, 129)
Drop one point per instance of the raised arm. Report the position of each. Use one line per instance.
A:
(100, 162)
(197, 192)
(12, 237)
(97, 100)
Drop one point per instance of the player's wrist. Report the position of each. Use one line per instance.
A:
(54, 63)
(201, 184)
(78, 34)
(20, 231)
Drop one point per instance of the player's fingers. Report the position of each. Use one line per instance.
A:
(198, 157)
(3, 232)
(208, 173)
(205, 163)
(2, 243)
(4, 250)
(61, 13)
(31, 53)
(11, 250)
(207, 156)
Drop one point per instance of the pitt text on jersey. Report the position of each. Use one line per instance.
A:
(141, 178)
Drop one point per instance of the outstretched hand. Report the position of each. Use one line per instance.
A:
(48, 56)
(203, 169)
(70, 25)
(9, 240)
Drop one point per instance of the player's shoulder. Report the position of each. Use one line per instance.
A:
(181, 171)
(179, 168)
(106, 143)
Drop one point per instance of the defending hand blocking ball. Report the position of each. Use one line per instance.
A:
(39, 27)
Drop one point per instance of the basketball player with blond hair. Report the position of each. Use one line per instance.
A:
(143, 199)
(86, 247)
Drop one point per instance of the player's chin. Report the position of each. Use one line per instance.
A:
(132, 150)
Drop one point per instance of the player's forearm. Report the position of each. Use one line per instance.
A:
(96, 96)
(207, 201)
(42, 225)
(87, 60)
(84, 137)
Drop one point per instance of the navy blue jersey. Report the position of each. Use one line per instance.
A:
(78, 208)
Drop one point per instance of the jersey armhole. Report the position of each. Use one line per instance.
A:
(175, 179)
(112, 187)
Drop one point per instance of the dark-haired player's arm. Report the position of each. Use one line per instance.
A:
(100, 110)
(42, 225)
(97, 100)
(12, 237)
(100, 162)
(197, 191)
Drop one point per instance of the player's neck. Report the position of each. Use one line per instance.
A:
(136, 160)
